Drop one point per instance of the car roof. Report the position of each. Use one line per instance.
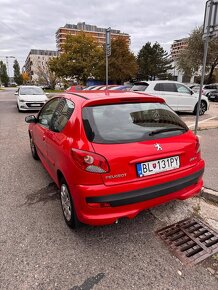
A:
(106, 96)
(159, 81)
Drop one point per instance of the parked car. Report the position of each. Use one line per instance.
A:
(30, 98)
(178, 96)
(112, 161)
(209, 88)
(74, 89)
(120, 88)
(213, 96)
(195, 88)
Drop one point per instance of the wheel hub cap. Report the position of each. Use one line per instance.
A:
(65, 201)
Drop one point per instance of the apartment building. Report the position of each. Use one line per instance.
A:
(37, 61)
(178, 46)
(91, 30)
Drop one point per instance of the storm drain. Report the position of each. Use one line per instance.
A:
(190, 240)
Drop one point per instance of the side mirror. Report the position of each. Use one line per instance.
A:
(30, 119)
(16, 93)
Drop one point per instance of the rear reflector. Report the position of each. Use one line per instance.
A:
(99, 205)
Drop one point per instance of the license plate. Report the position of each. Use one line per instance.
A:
(35, 105)
(157, 166)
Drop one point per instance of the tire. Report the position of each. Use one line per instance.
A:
(203, 108)
(33, 149)
(18, 108)
(67, 206)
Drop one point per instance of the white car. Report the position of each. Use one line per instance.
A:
(30, 98)
(209, 88)
(178, 96)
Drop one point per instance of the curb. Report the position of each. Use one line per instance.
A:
(210, 194)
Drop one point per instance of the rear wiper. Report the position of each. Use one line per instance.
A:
(166, 130)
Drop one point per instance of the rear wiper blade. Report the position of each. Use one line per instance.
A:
(166, 130)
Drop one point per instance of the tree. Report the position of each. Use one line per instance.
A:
(46, 76)
(191, 59)
(80, 58)
(122, 62)
(153, 61)
(3, 74)
(25, 77)
(17, 75)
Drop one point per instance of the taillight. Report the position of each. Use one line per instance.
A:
(90, 161)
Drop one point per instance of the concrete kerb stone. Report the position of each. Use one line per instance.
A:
(210, 194)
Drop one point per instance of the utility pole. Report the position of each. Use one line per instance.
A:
(107, 51)
(210, 31)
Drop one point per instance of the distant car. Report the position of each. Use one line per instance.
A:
(30, 98)
(213, 96)
(114, 154)
(209, 88)
(195, 88)
(178, 96)
(120, 88)
(90, 88)
(74, 89)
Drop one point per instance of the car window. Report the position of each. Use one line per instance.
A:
(168, 87)
(45, 115)
(165, 87)
(158, 87)
(62, 114)
(139, 87)
(130, 122)
(182, 89)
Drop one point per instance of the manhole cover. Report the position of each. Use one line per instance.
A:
(190, 240)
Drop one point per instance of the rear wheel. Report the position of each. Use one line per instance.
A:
(33, 149)
(203, 108)
(68, 206)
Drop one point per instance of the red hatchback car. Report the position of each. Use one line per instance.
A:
(114, 154)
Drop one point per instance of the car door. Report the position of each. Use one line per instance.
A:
(56, 138)
(186, 98)
(42, 127)
(167, 91)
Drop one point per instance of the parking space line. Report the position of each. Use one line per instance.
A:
(211, 118)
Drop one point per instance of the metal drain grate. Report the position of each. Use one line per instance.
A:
(191, 240)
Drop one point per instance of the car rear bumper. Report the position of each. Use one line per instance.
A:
(101, 205)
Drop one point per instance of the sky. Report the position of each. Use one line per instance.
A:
(32, 24)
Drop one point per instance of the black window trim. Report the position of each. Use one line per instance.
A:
(37, 119)
(61, 98)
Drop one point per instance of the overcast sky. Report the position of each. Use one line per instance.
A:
(28, 24)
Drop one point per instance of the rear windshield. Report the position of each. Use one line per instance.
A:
(132, 122)
(139, 87)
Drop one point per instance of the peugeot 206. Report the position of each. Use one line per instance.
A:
(113, 154)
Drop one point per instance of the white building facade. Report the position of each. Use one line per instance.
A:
(37, 62)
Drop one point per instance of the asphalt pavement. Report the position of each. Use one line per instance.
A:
(38, 251)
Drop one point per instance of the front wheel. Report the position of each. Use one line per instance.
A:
(68, 207)
(18, 108)
(33, 149)
(202, 110)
